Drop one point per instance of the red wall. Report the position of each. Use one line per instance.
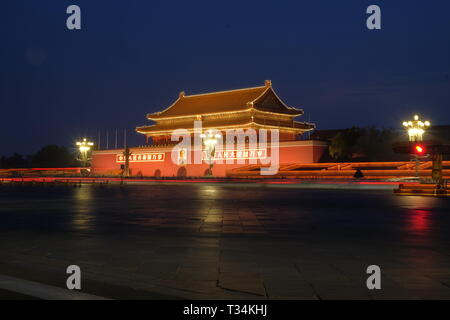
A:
(104, 161)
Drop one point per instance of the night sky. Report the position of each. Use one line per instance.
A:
(133, 57)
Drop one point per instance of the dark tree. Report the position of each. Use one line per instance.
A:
(365, 144)
(376, 145)
(15, 161)
(53, 156)
(343, 145)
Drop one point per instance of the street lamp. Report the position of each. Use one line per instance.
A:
(84, 147)
(210, 140)
(416, 128)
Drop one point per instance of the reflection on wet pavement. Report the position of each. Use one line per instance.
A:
(225, 241)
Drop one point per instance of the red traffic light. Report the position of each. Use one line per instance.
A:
(418, 149)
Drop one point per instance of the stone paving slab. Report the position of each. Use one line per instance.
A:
(231, 243)
(246, 282)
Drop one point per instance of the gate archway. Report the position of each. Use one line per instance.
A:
(182, 172)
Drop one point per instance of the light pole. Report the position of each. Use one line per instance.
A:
(416, 130)
(210, 140)
(84, 147)
(127, 153)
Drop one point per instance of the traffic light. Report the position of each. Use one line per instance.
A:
(419, 149)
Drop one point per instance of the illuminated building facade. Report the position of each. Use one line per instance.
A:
(254, 109)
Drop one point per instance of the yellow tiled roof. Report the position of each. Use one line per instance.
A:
(217, 102)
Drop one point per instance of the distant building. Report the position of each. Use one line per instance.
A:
(251, 108)
(254, 108)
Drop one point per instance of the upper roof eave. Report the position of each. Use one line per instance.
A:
(237, 103)
(182, 96)
(292, 110)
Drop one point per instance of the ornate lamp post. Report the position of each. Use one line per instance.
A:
(210, 140)
(127, 153)
(416, 128)
(435, 149)
(84, 147)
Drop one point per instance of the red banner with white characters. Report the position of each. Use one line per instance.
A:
(142, 157)
(237, 154)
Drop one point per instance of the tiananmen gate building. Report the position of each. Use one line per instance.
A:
(249, 109)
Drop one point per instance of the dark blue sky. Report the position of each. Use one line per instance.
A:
(133, 57)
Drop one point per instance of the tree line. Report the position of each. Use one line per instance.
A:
(365, 144)
(51, 156)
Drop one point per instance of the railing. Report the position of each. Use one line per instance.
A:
(40, 171)
(401, 169)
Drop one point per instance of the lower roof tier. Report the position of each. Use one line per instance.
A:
(284, 126)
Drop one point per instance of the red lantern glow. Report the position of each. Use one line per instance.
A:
(419, 149)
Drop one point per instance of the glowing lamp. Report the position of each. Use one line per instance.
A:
(416, 128)
(210, 139)
(84, 147)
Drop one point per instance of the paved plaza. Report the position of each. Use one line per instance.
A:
(227, 241)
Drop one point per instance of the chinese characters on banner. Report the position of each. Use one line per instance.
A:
(219, 155)
(141, 157)
(235, 155)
